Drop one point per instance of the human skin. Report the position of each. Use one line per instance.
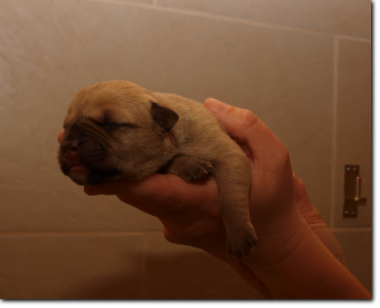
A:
(296, 255)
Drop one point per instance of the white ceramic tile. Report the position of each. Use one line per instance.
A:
(70, 266)
(58, 205)
(181, 272)
(354, 127)
(349, 17)
(140, 1)
(357, 249)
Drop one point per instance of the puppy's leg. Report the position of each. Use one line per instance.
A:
(233, 174)
(189, 167)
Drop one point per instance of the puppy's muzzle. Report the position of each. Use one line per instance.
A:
(81, 146)
(84, 152)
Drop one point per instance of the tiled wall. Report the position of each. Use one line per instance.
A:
(304, 67)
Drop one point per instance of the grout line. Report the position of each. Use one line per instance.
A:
(76, 233)
(143, 269)
(158, 7)
(334, 132)
(354, 38)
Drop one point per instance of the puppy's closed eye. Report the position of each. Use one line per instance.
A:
(113, 126)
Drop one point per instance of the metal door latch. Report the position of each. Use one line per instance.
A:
(352, 187)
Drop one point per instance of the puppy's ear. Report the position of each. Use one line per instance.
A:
(164, 117)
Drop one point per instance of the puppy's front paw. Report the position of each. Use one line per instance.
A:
(240, 242)
(190, 168)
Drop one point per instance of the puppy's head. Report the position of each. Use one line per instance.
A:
(114, 130)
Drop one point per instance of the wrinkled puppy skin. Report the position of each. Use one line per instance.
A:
(119, 130)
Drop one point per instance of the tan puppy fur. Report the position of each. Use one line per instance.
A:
(119, 130)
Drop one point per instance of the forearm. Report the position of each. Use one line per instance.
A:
(311, 272)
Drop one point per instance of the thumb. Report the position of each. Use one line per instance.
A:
(249, 130)
(60, 135)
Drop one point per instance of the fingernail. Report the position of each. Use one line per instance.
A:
(217, 106)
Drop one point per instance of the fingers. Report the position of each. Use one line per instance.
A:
(163, 191)
(250, 131)
(60, 135)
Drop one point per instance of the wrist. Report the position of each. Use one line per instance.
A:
(293, 250)
(310, 272)
(278, 241)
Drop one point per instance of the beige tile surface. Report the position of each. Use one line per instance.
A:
(354, 122)
(61, 206)
(350, 17)
(181, 272)
(140, 1)
(357, 249)
(70, 266)
(51, 51)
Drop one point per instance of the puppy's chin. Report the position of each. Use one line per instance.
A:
(79, 175)
(84, 176)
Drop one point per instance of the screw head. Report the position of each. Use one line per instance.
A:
(346, 213)
(348, 168)
(354, 169)
(353, 213)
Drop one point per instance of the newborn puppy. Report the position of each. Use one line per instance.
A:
(119, 130)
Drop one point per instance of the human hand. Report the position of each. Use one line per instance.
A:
(314, 220)
(190, 212)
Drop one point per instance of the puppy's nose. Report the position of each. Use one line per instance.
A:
(83, 152)
(70, 150)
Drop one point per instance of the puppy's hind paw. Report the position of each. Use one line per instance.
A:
(240, 243)
(190, 168)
